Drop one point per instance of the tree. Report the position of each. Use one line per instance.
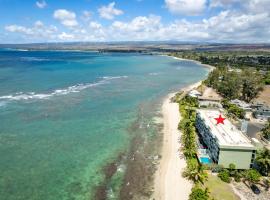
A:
(252, 84)
(263, 161)
(252, 176)
(266, 131)
(195, 172)
(197, 193)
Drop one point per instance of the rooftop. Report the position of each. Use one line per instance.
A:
(227, 135)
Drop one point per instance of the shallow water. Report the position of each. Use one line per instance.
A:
(64, 115)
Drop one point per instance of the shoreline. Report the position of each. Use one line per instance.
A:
(168, 181)
(196, 61)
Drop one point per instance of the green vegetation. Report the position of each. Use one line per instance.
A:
(238, 74)
(266, 131)
(224, 175)
(245, 84)
(198, 193)
(187, 108)
(237, 59)
(219, 189)
(233, 109)
(267, 78)
(263, 161)
(252, 176)
(194, 170)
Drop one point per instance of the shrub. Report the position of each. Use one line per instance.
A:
(237, 178)
(224, 175)
(252, 176)
(198, 193)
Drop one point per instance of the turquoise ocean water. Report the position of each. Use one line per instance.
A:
(64, 115)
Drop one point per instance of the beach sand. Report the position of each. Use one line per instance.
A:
(198, 62)
(169, 183)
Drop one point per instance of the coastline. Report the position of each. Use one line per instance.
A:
(210, 67)
(169, 183)
(154, 168)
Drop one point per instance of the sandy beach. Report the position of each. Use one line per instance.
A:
(204, 65)
(169, 183)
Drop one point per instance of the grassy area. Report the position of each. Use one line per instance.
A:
(220, 190)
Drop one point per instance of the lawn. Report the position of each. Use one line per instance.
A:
(219, 189)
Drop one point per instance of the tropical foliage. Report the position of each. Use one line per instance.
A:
(266, 131)
(198, 193)
(252, 176)
(244, 84)
(263, 161)
(195, 171)
(233, 109)
(224, 175)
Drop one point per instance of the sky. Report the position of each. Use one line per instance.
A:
(223, 21)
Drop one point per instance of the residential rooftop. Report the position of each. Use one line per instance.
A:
(226, 134)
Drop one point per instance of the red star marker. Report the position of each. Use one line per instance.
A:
(220, 120)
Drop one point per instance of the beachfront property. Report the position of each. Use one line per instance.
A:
(223, 143)
(194, 93)
(262, 113)
(241, 104)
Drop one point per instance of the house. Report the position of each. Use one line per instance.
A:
(194, 93)
(241, 104)
(262, 112)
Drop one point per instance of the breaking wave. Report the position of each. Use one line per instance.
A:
(72, 89)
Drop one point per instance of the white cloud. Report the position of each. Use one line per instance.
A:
(39, 30)
(224, 3)
(257, 6)
(109, 11)
(95, 25)
(138, 24)
(186, 7)
(86, 15)
(19, 29)
(67, 18)
(41, 4)
(246, 24)
(66, 36)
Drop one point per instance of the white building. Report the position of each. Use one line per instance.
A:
(225, 143)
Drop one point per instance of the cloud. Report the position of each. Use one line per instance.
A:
(38, 30)
(41, 4)
(186, 7)
(86, 15)
(138, 24)
(95, 25)
(65, 36)
(109, 11)
(248, 23)
(19, 29)
(224, 3)
(67, 18)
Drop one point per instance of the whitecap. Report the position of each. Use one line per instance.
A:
(154, 73)
(58, 92)
(33, 59)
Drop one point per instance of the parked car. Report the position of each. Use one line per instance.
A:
(255, 189)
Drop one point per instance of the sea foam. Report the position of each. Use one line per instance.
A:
(58, 92)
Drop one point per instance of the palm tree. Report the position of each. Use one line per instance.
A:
(263, 160)
(195, 172)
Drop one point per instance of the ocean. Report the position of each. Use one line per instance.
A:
(64, 115)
